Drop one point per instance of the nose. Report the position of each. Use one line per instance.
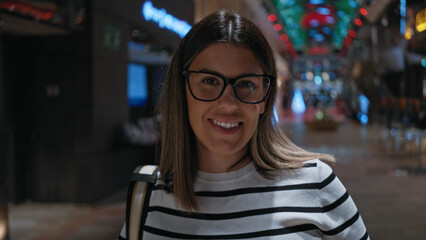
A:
(228, 101)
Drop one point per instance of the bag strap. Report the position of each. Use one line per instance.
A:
(138, 195)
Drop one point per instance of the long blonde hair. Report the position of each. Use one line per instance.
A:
(269, 147)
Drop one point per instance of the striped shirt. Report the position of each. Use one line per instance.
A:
(307, 203)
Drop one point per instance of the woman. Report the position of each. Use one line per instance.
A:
(227, 170)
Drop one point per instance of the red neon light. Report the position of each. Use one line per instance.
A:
(27, 8)
(348, 40)
(352, 33)
(277, 27)
(363, 11)
(272, 18)
(358, 22)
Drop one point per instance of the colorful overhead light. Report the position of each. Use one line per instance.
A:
(323, 11)
(358, 22)
(272, 18)
(278, 27)
(330, 19)
(318, 80)
(299, 17)
(316, 2)
(314, 23)
(326, 30)
(284, 38)
(363, 11)
(351, 33)
(346, 44)
(319, 37)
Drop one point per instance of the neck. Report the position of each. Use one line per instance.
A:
(219, 163)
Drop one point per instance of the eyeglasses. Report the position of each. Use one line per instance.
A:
(208, 87)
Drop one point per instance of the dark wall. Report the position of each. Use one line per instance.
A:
(66, 95)
(46, 126)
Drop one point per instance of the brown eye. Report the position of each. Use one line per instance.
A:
(211, 81)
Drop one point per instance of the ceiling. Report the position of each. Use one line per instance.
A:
(315, 27)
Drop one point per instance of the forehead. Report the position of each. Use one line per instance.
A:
(227, 59)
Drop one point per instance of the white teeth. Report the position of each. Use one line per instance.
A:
(225, 125)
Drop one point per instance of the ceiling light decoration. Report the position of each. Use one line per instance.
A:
(278, 27)
(317, 23)
(272, 18)
(358, 22)
(363, 11)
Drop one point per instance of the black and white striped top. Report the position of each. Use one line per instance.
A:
(308, 203)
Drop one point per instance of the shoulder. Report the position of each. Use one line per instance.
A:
(315, 171)
(322, 169)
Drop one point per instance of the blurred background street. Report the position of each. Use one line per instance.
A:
(389, 197)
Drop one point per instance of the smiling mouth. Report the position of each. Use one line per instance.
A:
(225, 125)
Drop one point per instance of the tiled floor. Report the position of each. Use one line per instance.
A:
(391, 202)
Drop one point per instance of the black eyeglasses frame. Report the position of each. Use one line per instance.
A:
(230, 81)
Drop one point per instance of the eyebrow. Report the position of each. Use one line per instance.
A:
(220, 74)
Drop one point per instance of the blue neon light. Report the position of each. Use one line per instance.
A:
(402, 12)
(298, 104)
(165, 20)
(403, 8)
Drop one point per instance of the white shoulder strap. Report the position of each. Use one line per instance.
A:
(140, 187)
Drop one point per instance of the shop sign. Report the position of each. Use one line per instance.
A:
(111, 37)
(421, 20)
(165, 20)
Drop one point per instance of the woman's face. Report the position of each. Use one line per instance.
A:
(224, 127)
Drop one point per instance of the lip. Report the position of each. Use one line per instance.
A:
(224, 130)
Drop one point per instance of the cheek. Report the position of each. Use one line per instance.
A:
(262, 107)
(256, 111)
